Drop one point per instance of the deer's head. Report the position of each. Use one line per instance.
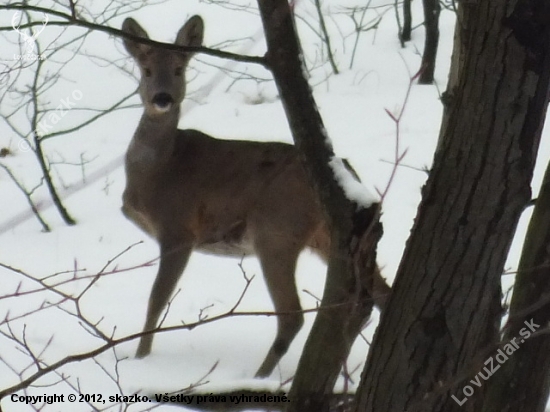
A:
(162, 84)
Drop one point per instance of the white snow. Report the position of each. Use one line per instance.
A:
(239, 106)
(353, 189)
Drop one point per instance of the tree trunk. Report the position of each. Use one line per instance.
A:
(442, 312)
(405, 34)
(432, 8)
(522, 383)
(347, 301)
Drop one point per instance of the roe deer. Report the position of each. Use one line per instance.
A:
(191, 191)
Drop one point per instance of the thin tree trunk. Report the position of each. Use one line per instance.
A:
(405, 34)
(347, 301)
(39, 152)
(523, 381)
(67, 218)
(442, 312)
(432, 9)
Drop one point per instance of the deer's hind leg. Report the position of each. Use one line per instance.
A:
(278, 261)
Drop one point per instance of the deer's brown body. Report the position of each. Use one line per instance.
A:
(190, 191)
(249, 193)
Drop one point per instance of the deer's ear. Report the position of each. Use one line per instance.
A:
(132, 27)
(192, 33)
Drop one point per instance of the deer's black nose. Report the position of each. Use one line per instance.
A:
(163, 100)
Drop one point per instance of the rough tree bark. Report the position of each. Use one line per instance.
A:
(347, 301)
(522, 383)
(432, 9)
(441, 316)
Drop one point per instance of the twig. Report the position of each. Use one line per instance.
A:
(326, 37)
(398, 154)
(68, 20)
(28, 197)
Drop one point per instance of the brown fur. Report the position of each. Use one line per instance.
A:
(190, 191)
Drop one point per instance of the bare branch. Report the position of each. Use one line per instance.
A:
(69, 20)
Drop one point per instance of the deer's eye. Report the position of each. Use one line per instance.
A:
(147, 72)
(178, 71)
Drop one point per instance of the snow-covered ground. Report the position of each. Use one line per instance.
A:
(239, 106)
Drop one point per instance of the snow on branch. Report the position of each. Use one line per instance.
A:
(350, 183)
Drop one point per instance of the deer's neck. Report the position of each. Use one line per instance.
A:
(154, 139)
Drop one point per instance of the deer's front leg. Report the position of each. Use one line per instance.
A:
(173, 259)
